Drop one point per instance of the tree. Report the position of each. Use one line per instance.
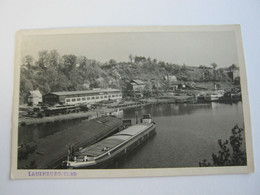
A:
(149, 60)
(28, 62)
(25, 85)
(214, 65)
(184, 68)
(44, 59)
(230, 153)
(139, 59)
(69, 63)
(54, 58)
(233, 67)
(131, 58)
(112, 62)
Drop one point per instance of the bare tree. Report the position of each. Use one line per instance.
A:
(131, 58)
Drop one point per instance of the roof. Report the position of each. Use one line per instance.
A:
(110, 142)
(139, 82)
(61, 93)
(35, 93)
(177, 83)
(170, 77)
(55, 146)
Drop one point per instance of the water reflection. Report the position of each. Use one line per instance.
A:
(167, 109)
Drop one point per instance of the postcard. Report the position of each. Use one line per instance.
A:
(130, 102)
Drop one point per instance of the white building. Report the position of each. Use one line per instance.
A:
(34, 97)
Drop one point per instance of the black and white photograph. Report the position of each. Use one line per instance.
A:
(130, 102)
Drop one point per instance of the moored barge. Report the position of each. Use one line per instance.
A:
(103, 153)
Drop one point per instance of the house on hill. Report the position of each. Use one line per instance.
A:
(34, 98)
(177, 86)
(170, 78)
(137, 87)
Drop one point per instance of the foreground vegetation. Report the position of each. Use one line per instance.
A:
(232, 152)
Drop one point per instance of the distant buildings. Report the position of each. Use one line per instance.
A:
(173, 83)
(234, 74)
(79, 97)
(136, 87)
(177, 85)
(171, 78)
(34, 97)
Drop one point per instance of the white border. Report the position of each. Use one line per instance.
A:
(27, 174)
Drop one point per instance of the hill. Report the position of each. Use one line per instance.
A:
(52, 72)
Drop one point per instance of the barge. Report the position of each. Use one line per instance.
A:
(103, 153)
(49, 152)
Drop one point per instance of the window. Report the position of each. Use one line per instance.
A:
(97, 97)
(67, 100)
(101, 97)
(73, 99)
(88, 98)
(93, 98)
(105, 96)
(78, 99)
(113, 95)
(83, 99)
(109, 96)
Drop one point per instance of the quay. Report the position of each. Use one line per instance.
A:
(58, 118)
(112, 108)
(48, 152)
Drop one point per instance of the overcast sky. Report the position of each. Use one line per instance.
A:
(190, 48)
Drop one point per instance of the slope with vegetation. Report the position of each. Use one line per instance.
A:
(53, 72)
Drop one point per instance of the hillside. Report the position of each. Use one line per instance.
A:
(52, 72)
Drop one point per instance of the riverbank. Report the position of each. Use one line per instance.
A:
(115, 109)
(92, 114)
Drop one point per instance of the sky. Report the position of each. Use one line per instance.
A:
(189, 48)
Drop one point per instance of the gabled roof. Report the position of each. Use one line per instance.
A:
(138, 82)
(35, 93)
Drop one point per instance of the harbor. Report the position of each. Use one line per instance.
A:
(194, 128)
(62, 124)
(85, 106)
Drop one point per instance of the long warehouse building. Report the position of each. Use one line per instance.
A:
(78, 97)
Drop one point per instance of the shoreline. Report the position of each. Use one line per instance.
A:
(114, 110)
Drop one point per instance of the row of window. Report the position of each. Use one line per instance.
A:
(78, 99)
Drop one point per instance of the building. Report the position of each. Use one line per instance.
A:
(34, 98)
(170, 78)
(79, 97)
(177, 85)
(136, 85)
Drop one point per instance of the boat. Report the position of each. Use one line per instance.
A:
(214, 96)
(103, 153)
(49, 152)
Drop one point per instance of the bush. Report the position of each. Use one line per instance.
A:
(230, 153)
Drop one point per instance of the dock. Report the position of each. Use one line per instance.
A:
(51, 150)
(58, 118)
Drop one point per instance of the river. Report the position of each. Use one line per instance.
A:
(185, 133)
